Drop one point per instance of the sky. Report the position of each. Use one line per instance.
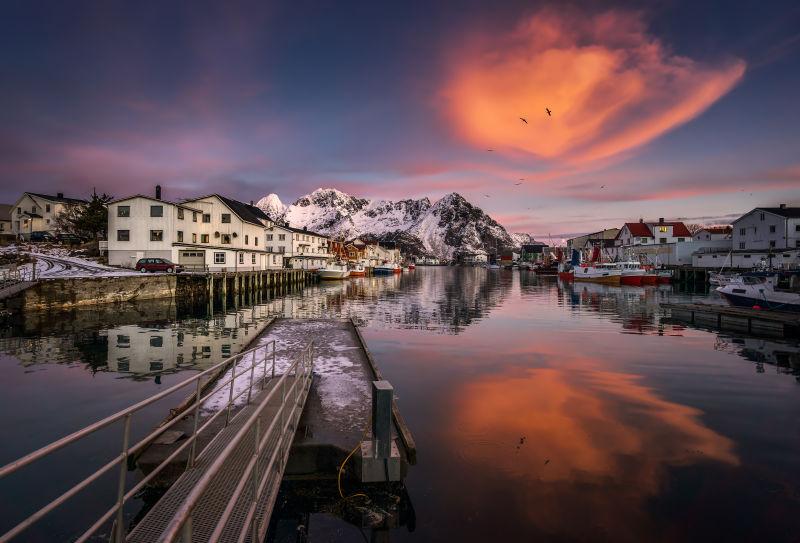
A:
(675, 109)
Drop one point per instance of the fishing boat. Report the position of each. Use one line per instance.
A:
(760, 293)
(566, 272)
(599, 273)
(334, 271)
(412, 266)
(633, 274)
(357, 270)
(664, 276)
(387, 268)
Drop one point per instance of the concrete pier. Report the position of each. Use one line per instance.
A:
(739, 319)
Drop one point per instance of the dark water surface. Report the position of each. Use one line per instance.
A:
(541, 411)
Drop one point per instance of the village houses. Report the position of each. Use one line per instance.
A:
(212, 232)
(36, 213)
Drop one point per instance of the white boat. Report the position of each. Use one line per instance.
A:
(357, 270)
(493, 266)
(598, 273)
(719, 279)
(334, 271)
(760, 292)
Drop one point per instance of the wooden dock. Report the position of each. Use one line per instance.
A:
(739, 319)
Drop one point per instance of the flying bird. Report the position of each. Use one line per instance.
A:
(524, 120)
(549, 113)
(602, 186)
(487, 196)
(517, 184)
(490, 150)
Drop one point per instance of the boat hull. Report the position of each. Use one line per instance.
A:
(354, 273)
(631, 280)
(605, 279)
(746, 301)
(332, 275)
(650, 279)
(566, 276)
(382, 271)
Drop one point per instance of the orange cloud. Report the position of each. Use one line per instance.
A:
(610, 85)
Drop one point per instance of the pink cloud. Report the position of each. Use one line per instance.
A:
(610, 85)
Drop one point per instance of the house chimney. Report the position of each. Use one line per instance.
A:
(783, 206)
(641, 219)
(251, 203)
(158, 192)
(60, 195)
(305, 229)
(661, 219)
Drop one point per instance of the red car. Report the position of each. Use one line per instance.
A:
(157, 265)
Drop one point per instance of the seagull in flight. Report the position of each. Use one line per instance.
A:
(517, 184)
(602, 186)
(524, 120)
(490, 150)
(549, 113)
(487, 196)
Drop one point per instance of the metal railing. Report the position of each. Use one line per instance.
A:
(264, 482)
(125, 417)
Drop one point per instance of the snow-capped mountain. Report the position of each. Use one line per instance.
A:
(272, 205)
(443, 228)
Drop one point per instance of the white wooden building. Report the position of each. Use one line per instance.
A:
(767, 228)
(34, 212)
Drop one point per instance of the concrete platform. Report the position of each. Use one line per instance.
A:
(337, 413)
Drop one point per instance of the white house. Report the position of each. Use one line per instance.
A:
(37, 212)
(713, 233)
(766, 228)
(310, 250)
(212, 232)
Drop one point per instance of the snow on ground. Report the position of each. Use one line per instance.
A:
(338, 369)
(55, 261)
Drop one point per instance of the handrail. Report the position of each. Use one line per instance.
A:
(198, 490)
(11, 467)
(121, 458)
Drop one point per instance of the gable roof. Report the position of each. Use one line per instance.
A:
(637, 229)
(246, 212)
(61, 199)
(787, 212)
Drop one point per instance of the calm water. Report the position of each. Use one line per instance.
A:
(541, 411)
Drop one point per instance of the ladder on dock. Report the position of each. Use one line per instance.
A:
(228, 488)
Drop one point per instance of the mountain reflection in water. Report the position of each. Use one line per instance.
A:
(540, 409)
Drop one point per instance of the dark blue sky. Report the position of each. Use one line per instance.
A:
(677, 109)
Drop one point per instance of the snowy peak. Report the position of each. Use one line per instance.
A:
(272, 206)
(449, 226)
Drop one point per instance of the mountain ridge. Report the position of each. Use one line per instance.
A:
(445, 228)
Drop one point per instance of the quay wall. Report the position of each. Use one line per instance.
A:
(186, 289)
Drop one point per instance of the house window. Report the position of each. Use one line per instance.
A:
(241, 258)
(662, 228)
(19, 211)
(33, 209)
(156, 235)
(203, 238)
(681, 239)
(269, 248)
(797, 228)
(269, 237)
(253, 258)
(219, 258)
(643, 240)
(226, 217)
(797, 243)
(772, 229)
(194, 238)
(246, 239)
(180, 236)
(156, 341)
(47, 208)
(156, 211)
(772, 243)
(761, 216)
(275, 258)
(281, 237)
(226, 238)
(662, 240)
(194, 216)
(255, 241)
(180, 213)
(123, 235)
(206, 217)
(742, 231)
(741, 245)
(123, 211)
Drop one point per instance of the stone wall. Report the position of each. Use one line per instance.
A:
(76, 292)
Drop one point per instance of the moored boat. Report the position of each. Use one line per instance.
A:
(760, 293)
(599, 273)
(334, 271)
(632, 273)
(357, 270)
(565, 271)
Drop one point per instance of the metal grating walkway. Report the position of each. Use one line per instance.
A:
(222, 490)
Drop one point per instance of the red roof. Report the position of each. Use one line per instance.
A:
(719, 229)
(638, 229)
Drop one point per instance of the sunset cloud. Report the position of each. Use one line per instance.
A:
(611, 86)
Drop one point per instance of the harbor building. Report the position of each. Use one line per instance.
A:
(35, 212)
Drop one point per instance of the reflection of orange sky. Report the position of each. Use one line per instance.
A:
(607, 439)
(611, 87)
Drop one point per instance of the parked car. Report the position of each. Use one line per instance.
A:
(70, 239)
(41, 236)
(145, 265)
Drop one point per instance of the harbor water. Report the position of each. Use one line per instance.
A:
(541, 410)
